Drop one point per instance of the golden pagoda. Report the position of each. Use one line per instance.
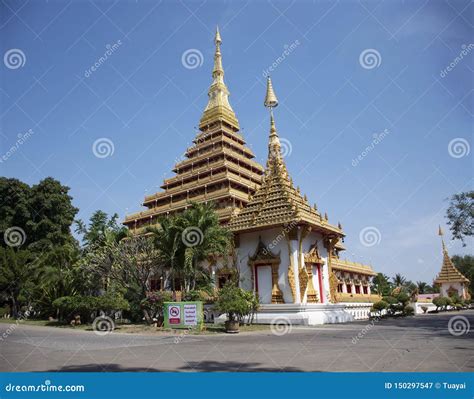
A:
(219, 167)
(451, 280)
(277, 202)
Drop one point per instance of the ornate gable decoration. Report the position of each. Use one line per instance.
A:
(312, 256)
(263, 255)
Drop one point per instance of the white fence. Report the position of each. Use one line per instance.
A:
(359, 311)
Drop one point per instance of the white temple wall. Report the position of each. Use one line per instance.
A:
(276, 242)
(456, 285)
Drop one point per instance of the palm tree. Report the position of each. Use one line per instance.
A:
(167, 240)
(399, 280)
(186, 240)
(422, 287)
(203, 237)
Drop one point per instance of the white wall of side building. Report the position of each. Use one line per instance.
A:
(276, 242)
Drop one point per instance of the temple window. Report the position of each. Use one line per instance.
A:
(366, 290)
(349, 288)
(339, 288)
(357, 287)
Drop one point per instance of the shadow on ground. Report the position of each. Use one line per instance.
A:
(209, 366)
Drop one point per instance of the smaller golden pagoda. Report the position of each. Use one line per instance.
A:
(451, 280)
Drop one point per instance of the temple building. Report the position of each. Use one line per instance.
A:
(286, 250)
(450, 280)
(219, 166)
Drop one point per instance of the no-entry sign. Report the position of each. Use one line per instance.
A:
(183, 314)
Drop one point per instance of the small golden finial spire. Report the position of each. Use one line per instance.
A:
(339, 225)
(218, 107)
(271, 100)
(440, 231)
(218, 35)
(326, 215)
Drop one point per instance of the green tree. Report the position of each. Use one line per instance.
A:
(16, 277)
(203, 237)
(381, 284)
(460, 215)
(100, 229)
(52, 215)
(185, 241)
(15, 209)
(422, 287)
(399, 280)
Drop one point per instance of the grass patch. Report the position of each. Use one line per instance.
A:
(139, 328)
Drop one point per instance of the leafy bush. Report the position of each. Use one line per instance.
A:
(403, 298)
(193, 296)
(442, 302)
(152, 305)
(390, 300)
(70, 306)
(4, 311)
(236, 302)
(379, 306)
(408, 310)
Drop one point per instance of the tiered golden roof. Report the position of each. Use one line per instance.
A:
(219, 167)
(277, 202)
(449, 273)
(352, 267)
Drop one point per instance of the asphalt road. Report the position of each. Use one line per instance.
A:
(421, 343)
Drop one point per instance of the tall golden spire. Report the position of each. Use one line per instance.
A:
(218, 107)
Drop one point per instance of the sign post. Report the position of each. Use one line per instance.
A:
(183, 315)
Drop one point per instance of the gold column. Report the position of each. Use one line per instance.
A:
(277, 295)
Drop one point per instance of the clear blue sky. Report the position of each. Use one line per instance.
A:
(332, 102)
